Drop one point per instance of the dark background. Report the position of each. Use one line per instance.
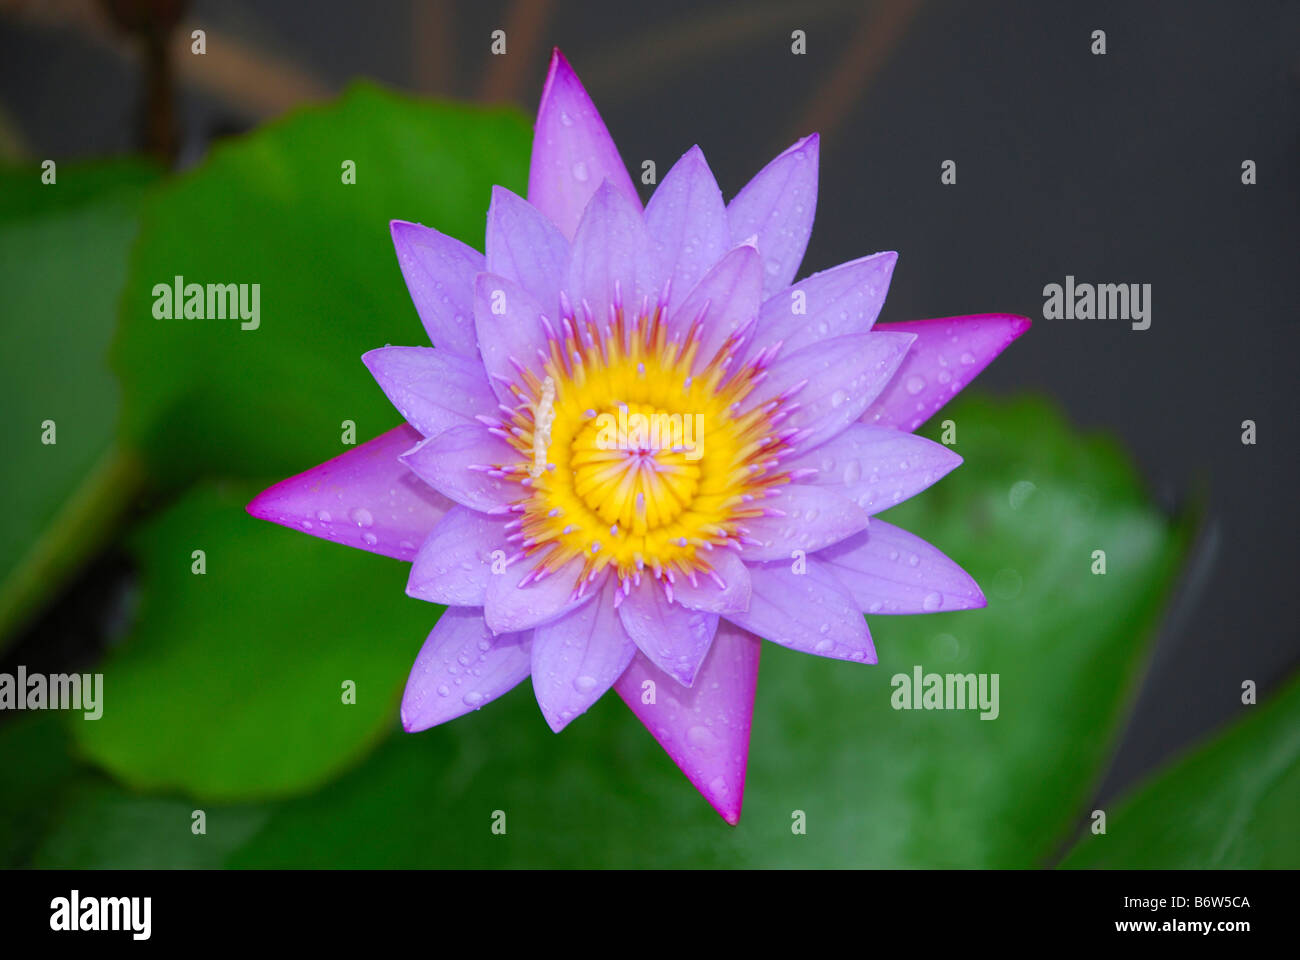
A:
(1122, 168)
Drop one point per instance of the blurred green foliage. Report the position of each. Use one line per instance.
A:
(63, 261)
(226, 694)
(1229, 805)
(204, 396)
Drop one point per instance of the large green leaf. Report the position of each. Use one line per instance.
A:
(231, 685)
(879, 787)
(63, 256)
(272, 209)
(1230, 805)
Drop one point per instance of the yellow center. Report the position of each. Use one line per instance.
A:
(634, 452)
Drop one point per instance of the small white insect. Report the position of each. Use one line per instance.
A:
(543, 417)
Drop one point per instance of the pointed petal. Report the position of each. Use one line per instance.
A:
(876, 467)
(947, 355)
(687, 223)
(673, 637)
(704, 728)
(836, 380)
(888, 570)
(778, 205)
(365, 498)
(813, 517)
(440, 688)
(572, 151)
(439, 272)
(508, 322)
(845, 299)
(731, 291)
(454, 562)
(524, 246)
(510, 607)
(707, 595)
(810, 612)
(610, 261)
(577, 657)
(434, 390)
(444, 462)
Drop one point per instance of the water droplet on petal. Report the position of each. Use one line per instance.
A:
(580, 171)
(932, 602)
(915, 385)
(702, 738)
(362, 517)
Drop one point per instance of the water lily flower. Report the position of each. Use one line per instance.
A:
(637, 447)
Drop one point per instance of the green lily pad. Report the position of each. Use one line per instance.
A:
(875, 786)
(273, 209)
(233, 684)
(63, 262)
(1228, 805)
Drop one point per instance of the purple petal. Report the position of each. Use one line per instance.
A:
(578, 657)
(439, 272)
(455, 560)
(572, 151)
(707, 595)
(510, 330)
(434, 390)
(888, 570)
(687, 223)
(673, 637)
(947, 355)
(524, 246)
(813, 517)
(704, 728)
(835, 380)
(365, 498)
(610, 261)
(731, 291)
(876, 467)
(810, 612)
(778, 206)
(444, 462)
(441, 687)
(510, 607)
(845, 299)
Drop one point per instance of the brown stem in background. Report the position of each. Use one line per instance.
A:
(152, 23)
(525, 22)
(879, 33)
